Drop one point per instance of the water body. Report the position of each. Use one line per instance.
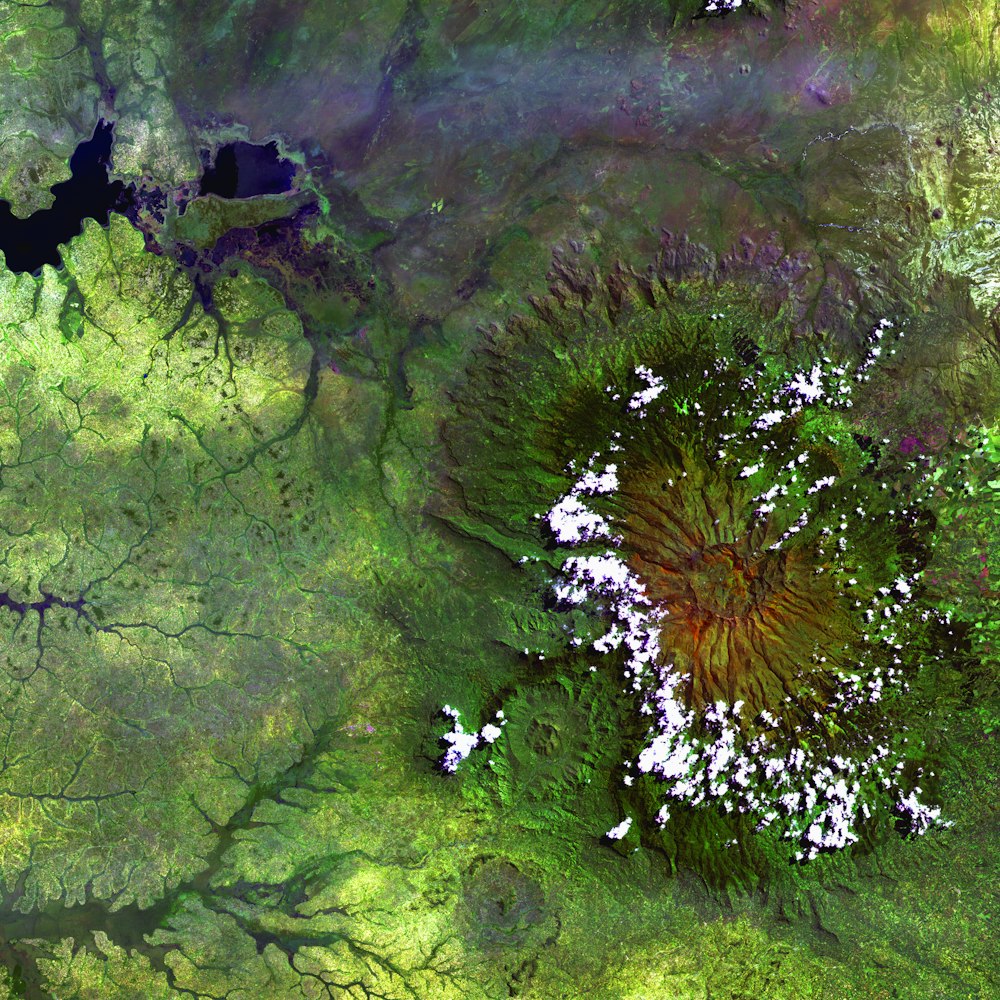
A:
(243, 170)
(48, 601)
(88, 194)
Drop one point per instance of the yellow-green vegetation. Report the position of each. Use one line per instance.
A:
(208, 218)
(58, 62)
(364, 879)
(37, 105)
(173, 625)
(262, 516)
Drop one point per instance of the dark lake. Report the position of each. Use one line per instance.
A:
(243, 170)
(88, 194)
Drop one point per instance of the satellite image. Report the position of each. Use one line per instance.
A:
(499, 498)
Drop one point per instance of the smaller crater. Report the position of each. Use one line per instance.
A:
(501, 905)
(543, 738)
